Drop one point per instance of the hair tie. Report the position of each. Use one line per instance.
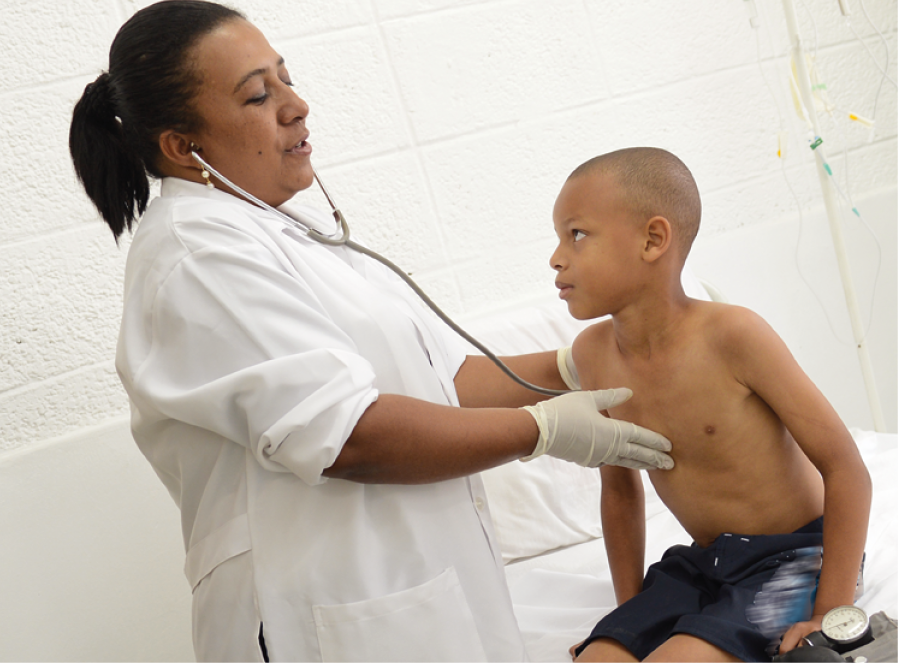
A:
(100, 97)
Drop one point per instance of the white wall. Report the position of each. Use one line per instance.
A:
(445, 128)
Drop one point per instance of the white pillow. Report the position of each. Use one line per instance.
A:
(542, 505)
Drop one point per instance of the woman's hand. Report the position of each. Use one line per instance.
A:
(793, 637)
(572, 428)
(404, 440)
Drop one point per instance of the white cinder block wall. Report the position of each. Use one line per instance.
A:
(445, 129)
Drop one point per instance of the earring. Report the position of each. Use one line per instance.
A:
(205, 172)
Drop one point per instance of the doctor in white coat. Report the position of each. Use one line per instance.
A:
(296, 399)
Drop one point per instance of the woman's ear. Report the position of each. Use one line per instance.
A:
(658, 237)
(176, 148)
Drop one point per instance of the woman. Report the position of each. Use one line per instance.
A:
(296, 399)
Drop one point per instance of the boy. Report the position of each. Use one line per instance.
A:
(760, 454)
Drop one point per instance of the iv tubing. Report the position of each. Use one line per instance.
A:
(832, 212)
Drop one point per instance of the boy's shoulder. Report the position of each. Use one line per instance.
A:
(727, 322)
(724, 318)
(597, 331)
(733, 334)
(730, 326)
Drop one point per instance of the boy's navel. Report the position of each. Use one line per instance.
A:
(710, 430)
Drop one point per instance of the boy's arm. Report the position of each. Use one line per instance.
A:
(623, 528)
(480, 383)
(767, 367)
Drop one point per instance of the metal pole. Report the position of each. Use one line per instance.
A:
(835, 226)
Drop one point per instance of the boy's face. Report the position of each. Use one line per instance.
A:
(599, 244)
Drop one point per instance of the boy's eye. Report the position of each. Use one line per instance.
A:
(578, 235)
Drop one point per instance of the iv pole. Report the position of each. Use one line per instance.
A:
(835, 227)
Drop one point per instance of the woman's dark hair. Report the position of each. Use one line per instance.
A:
(114, 136)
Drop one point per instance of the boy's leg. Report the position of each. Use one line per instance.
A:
(682, 647)
(604, 649)
(677, 649)
(637, 627)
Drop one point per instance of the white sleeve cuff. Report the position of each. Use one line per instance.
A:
(567, 369)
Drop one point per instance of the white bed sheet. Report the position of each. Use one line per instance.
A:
(558, 596)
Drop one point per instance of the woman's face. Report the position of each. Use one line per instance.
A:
(254, 129)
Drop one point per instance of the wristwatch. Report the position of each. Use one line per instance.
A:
(843, 629)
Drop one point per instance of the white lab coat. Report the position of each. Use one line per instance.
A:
(249, 352)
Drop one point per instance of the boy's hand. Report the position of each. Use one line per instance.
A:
(571, 428)
(793, 637)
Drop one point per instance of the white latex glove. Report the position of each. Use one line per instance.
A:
(572, 428)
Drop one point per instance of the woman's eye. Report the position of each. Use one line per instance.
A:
(578, 235)
(258, 99)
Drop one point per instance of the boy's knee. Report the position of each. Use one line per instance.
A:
(604, 649)
(683, 647)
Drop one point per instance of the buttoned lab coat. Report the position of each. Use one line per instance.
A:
(249, 352)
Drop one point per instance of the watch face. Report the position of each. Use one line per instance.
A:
(845, 624)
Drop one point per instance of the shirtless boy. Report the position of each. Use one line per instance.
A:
(760, 454)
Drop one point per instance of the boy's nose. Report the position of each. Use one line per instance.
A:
(555, 260)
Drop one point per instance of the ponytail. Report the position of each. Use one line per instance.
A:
(149, 88)
(112, 175)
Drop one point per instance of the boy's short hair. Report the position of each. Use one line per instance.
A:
(656, 183)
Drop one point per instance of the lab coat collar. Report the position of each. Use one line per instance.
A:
(310, 216)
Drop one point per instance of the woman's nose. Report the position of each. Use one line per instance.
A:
(295, 108)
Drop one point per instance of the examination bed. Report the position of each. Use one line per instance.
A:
(91, 556)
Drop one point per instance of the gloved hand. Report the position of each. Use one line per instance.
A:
(571, 428)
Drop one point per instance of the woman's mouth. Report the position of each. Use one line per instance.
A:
(302, 147)
(564, 289)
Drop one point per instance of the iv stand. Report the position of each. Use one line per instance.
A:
(835, 227)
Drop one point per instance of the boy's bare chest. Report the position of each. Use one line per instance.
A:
(690, 397)
(725, 438)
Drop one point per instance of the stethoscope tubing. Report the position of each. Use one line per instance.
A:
(343, 239)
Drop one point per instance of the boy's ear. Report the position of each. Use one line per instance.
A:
(658, 236)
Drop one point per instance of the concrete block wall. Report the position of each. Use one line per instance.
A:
(445, 128)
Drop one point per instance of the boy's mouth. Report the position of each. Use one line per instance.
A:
(564, 289)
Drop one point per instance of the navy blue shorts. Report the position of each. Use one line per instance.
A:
(707, 593)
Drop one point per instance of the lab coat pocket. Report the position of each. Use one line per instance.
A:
(430, 622)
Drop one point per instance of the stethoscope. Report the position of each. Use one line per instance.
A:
(343, 240)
